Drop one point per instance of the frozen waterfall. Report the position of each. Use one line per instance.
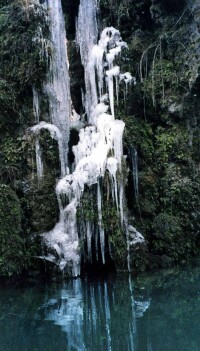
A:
(99, 149)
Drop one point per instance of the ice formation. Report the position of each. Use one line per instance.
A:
(55, 134)
(36, 104)
(100, 143)
(86, 36)
(57, 86)
(135, 236)
(39, 163)
(142, 307)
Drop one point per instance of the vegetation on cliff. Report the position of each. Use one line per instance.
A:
(162, 124)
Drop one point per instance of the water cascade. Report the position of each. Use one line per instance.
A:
(100, 147)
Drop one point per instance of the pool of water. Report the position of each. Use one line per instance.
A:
(154, 312)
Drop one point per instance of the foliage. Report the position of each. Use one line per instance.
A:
(168, 235)
(126, 14)
(11, 244)
(23, 30)
(12, 158)
(21, 62)
(139, 134)
(172, 145)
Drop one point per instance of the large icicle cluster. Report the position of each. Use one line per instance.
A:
(96, 142)
(100, 143)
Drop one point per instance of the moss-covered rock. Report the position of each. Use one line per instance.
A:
(41, 206)
(162, 125)
(11, 242)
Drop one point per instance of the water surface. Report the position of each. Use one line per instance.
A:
(154, 312)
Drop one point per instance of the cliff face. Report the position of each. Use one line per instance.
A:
(162, 122)
(161, 114)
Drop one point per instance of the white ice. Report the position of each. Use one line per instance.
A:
(100, 147)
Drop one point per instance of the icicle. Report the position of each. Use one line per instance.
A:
(128, 80)
(117, 89)
(55, 134)
(39, 163)
(112, 165)
(111, 73)
(87, 24)
(117, 141)
(57, 86)
(36, 104)
(36, 112)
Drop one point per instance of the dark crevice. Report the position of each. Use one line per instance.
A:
(73, 140)
(96, 266)
(70, 9)
(174, 6)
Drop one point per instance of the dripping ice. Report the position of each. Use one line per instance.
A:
(97, 141)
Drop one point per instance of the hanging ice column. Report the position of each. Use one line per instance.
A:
(102, 76)
(57, 86)
(86, 36)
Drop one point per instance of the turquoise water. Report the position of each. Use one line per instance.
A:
(154, 312)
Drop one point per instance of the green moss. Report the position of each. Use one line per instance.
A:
(172, 145)
(11, 244)
(139, 134)
(40, 205)
(21, 61)
(170, 237)
(13, 156)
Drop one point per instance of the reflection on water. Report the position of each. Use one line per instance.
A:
(158, 312)
(66, 311)
(97, 315)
